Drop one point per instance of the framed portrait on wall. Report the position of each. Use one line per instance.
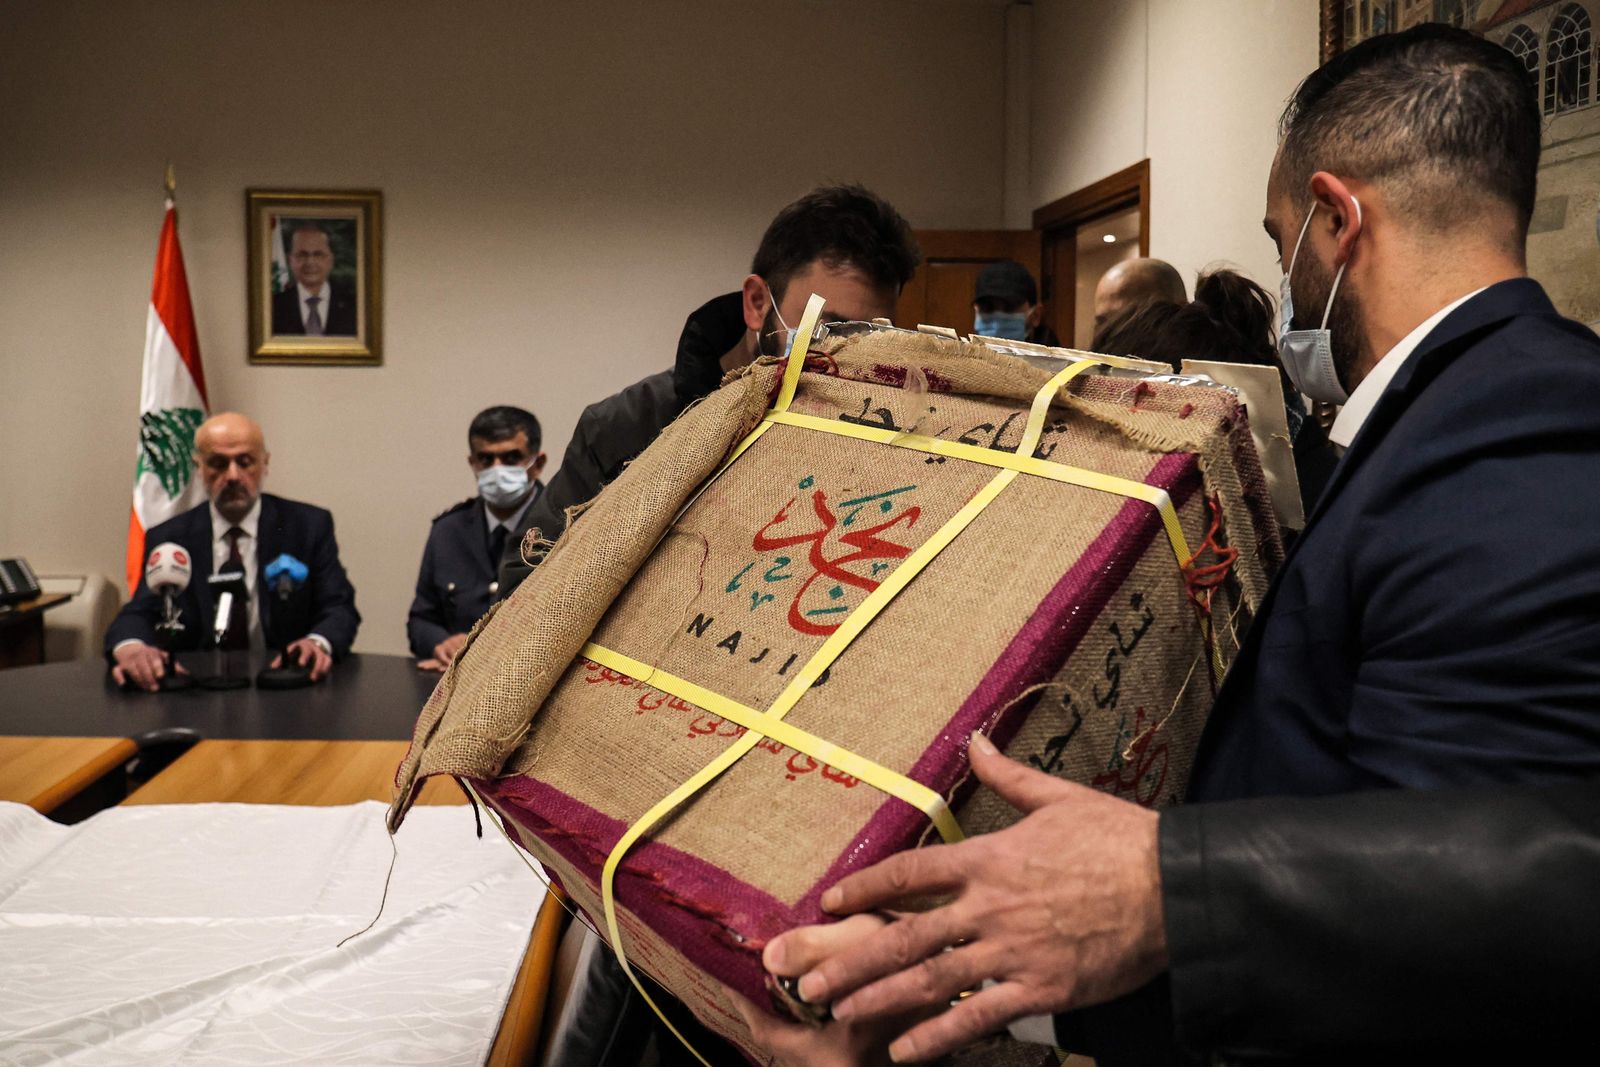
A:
(315, 276)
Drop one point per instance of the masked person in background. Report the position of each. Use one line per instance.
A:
(1005, 304)
(457, 581)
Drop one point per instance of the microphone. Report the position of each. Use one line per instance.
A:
(167, 572)
(284, 575)
(224, 587)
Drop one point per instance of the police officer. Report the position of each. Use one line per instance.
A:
(457, 579)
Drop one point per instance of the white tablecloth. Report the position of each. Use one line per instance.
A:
(206, 934)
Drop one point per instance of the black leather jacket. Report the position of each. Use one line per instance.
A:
(612, 432)
(1378, 927)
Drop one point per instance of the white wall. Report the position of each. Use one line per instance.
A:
(562, 183)
(1195, 87)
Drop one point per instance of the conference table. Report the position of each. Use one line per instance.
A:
(367, 697)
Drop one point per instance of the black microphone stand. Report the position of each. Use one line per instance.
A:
(226, 586)
(167, 631)
(289, 674)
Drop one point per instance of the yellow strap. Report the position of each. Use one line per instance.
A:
(1034, 429)
(876, 775)
(1153, 495)
(830, 650)
(799, 345)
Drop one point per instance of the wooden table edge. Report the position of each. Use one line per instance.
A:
(50, 798)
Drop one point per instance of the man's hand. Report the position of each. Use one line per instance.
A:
(144, 665)
(1061, 911)
(308, 653)
(446, 650)
(833, 1044)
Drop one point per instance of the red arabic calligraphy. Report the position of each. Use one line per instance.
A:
(1144, 775)
(865, 544)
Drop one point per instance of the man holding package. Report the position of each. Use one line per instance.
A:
(843, 242)
(1437, 626)
(854, 249)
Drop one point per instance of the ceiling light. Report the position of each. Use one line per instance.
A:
(1110, 238)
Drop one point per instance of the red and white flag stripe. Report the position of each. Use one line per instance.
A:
(172, 402)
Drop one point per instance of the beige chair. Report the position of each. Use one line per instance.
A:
(75, 629)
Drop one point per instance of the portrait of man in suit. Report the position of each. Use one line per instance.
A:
(320, 298)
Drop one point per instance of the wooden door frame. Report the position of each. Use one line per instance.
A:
(1129, 187)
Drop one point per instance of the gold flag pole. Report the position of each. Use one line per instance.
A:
(172, 182)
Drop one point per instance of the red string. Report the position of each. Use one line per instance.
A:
(1202, 580)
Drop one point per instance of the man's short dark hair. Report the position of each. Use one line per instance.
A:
(501, 423)
(1442, 118)
(842, 225)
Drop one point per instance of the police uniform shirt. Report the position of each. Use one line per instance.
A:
(455, 582)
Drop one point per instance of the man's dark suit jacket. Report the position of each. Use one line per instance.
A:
(1437, 625)
(325, 603)
(338, 318)
(453, 583)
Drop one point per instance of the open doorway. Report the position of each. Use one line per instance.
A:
(1076, 250)
(1101, 244)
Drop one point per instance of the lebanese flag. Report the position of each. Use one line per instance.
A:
(172, 402)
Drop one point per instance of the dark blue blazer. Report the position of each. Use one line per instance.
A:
(324, 604)
(457, 579)
(1438, 623)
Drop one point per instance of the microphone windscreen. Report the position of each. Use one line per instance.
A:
(167, 569)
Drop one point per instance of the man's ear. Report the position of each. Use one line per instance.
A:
(757, 301)
(1344, 213)
(538, 465)
(1035, 313)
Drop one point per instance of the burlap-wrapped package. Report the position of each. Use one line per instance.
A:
(1060, 620)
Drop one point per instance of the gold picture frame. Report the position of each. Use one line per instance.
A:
(315, 268)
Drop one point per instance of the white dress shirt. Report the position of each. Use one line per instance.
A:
(1355, 411)
(325, 293)
(250, 524)
(514, 521)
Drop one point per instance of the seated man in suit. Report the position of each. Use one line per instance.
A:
(457, 581)
(314, 306)
(241, 528)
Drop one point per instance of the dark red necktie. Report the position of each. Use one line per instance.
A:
(239, 616)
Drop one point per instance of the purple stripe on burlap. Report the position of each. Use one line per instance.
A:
(695, 914)
(705, 902)
(1033, 656)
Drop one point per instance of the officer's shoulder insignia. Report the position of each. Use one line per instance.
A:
(453, 508)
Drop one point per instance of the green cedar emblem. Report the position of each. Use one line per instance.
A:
(166, 446)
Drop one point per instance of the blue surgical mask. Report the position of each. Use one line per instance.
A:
(503, 486)
(1008, 325)
(1307, 355)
